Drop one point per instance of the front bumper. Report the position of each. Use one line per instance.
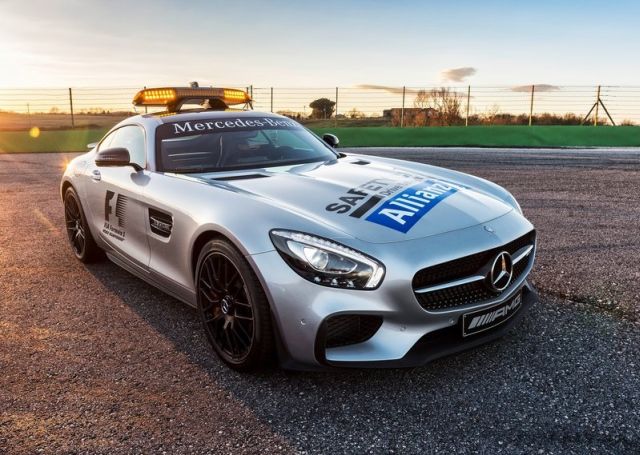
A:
(409, 335)
(449, 340)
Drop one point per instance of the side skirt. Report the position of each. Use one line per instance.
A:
(168, 287)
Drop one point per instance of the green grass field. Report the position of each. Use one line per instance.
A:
(49, 141)
(489, 136)
(473, 136)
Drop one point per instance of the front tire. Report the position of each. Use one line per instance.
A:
(82, 243)
(233, 307)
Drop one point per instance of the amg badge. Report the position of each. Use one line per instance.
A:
(482, 320)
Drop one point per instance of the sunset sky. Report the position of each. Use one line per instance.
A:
(319, 43)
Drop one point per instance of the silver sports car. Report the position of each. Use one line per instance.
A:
(292, 250)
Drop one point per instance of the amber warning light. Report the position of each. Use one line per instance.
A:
(173, 97)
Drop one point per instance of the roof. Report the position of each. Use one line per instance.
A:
(197, 114)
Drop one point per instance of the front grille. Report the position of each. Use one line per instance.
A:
(469, 293)
(349, 329)
(455, 296)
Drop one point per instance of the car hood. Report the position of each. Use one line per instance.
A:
(370, 199)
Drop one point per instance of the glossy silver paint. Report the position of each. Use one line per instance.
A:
(479, 217)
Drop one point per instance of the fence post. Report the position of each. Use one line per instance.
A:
(336, 114)
(466, 119)
(533, 91)
(271, 99)
(404, 89)
(146, 108)
(595, 118)
(251, 91)
(73, 123)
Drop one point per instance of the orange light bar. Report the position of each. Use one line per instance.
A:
(171, 96)
(234, 96)
(158, 96)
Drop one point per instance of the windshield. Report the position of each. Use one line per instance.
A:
(224, 144)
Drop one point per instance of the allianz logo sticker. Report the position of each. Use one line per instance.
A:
(483, 320)
(402, 211)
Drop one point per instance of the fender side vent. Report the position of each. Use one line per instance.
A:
(161, 223)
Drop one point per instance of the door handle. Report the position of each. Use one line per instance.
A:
(95, 175)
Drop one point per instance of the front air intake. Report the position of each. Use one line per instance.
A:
(347, 329)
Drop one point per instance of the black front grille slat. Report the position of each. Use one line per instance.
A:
(346, 329)
(469, 293)
(519, 268)
(455, 296)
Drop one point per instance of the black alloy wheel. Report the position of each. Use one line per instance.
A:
(82, 243)
(233, 307)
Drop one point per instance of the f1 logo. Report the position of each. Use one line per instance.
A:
(108, 210)
(118, 210)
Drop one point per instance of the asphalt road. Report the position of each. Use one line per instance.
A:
(93, 360)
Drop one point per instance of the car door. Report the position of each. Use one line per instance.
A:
(115, 195)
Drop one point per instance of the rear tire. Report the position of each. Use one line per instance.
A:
(82, 243)
(233, 308)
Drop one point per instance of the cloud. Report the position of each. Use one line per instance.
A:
(458, 74)
(386, 88)
(539, 88)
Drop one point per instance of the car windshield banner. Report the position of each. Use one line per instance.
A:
(224, 124)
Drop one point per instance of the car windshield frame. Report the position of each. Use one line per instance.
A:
(196, 128)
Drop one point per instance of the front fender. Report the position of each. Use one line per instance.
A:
(73, 174)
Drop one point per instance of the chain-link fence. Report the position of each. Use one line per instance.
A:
(372, 105)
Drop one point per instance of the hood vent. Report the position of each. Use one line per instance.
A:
(361, 162)
(241, 177)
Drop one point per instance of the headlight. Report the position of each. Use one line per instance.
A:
(327, 263)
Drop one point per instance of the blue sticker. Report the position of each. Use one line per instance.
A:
(406, 208)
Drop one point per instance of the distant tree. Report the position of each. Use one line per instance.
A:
(322, 108)
(54, 110)
(492, 114)
(448, 105)
(443, 106)
(355, 113)
(422, 99)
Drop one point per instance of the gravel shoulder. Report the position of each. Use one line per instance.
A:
(94, 360)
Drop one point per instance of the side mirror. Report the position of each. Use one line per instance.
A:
(331, 139)
(116, 156)
(92, 145)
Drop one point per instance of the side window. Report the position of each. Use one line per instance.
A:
(132, 138)
(106, 142)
